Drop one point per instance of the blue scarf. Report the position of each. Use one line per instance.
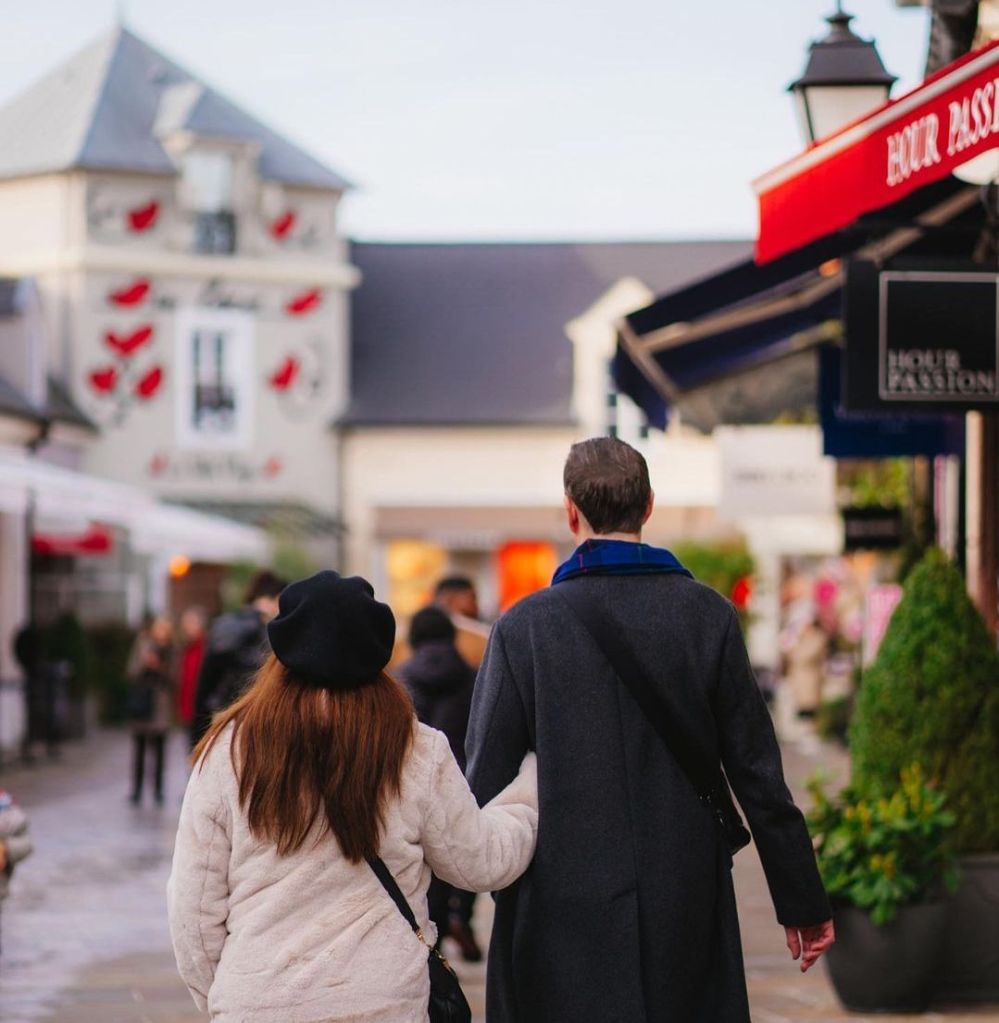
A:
(618, 557)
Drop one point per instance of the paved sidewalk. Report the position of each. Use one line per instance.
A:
(85, 936)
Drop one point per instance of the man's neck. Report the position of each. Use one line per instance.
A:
(583, 535)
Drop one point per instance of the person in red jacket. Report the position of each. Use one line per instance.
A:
(193, 629)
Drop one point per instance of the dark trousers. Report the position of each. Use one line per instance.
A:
(445, 901)
(157, 741)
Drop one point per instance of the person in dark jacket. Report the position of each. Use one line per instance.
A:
(152, 696)
(440, 683)
(234, 651)
(628, 911)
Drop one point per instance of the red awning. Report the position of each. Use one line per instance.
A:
(905, 144)
(97, 541)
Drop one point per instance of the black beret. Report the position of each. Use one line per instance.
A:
(331, 632)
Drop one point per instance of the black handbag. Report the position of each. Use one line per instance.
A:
(705, 775)
(447, 1001)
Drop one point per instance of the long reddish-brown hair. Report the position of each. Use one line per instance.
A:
(299, 752)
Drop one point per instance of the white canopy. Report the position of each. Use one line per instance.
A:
(66, 496)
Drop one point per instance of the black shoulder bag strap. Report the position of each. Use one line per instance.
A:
(447, 1001)
(390, 885)
(704, 775)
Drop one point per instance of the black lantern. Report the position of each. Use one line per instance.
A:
(843, 80)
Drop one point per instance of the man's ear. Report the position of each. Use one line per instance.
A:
(650, 507)
(572, 514)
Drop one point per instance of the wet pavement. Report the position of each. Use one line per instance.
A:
(85, 936)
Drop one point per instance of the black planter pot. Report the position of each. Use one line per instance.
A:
(970, 971)
(890, 968)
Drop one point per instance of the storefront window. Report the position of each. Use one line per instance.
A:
(524, 568)
(414, 568)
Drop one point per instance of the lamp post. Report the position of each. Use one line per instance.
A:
(843, 79)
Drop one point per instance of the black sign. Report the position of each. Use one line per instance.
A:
(921, 340)
(866, 529)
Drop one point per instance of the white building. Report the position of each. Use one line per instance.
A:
(190, 268)
(99, 548)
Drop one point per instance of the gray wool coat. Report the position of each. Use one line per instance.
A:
(628, 911)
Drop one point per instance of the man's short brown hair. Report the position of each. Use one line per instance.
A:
(608, 481)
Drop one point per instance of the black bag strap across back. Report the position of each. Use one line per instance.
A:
(390, 885)
(705, 775)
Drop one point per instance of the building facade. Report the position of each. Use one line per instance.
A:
(189, 264)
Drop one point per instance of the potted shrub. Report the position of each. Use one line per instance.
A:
(886, 864)
(932, 697)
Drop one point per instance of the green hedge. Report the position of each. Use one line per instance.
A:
(932, 697)
(110, 648)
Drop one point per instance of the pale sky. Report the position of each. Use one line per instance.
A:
(502, 119)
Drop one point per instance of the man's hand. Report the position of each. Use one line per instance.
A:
(808, 943)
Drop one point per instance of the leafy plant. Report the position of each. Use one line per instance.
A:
(932, 697)
(884, 853)
(727, 568)
(66, 640)
(111, 645)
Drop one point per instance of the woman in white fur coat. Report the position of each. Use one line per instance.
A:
(276, 916)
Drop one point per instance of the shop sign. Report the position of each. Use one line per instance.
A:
(774, 470)
(919, 340)
(868, 529)
(910, 142)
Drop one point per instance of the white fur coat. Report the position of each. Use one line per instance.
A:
(310, 937)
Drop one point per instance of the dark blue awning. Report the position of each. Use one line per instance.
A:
(752, 316)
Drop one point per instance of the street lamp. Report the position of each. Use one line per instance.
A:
(843, 80)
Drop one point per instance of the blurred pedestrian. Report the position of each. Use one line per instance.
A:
(193, 629)
(632, 682)
(806, 655)
(235, 649)
(313, 795)
(15, 843)
(456, 594)
(151, 702)
(441, 683)
(44, 689)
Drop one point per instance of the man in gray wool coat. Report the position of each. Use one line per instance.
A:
(628, 912)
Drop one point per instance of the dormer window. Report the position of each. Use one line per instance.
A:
(209, 180)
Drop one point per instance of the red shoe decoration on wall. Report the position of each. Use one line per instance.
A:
(284, 377)
(304, 303)
(272, 467)
(127, 345)
(135, 293)
(283, 226)
(104, 381)
(142, 218)
(149, 384)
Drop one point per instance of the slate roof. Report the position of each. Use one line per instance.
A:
(101, 108)
(475, 333)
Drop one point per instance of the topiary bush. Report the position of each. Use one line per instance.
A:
(932, 697)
